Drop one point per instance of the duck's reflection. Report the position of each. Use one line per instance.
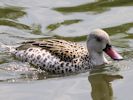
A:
(102, 86)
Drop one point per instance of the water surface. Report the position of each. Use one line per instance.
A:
(69, 20)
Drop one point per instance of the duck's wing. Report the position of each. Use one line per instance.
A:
(66, 51)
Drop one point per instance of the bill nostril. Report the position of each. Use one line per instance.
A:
(112, 53)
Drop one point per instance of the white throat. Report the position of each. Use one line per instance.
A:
(98, 58)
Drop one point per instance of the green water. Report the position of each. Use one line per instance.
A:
(69, 20)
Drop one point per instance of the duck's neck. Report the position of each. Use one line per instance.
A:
(97, 58)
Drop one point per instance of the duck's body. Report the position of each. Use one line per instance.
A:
(59, 56)
(55, 56)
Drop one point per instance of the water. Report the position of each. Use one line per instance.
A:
(69, 20)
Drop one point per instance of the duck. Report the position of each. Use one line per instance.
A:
(58, 56)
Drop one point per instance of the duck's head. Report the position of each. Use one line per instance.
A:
(98, 41)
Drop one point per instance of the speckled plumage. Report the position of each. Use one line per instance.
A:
(55, 56)
(61, 57)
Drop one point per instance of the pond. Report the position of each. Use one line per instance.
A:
(70, 20)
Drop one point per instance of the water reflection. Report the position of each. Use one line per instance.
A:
(9, 16)
(102, 86)
(98, 6)
(123, 28)
(52, 27)
(11, 12)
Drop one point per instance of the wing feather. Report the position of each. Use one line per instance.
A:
(65, 50)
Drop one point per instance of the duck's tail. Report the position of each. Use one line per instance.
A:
(7, 48)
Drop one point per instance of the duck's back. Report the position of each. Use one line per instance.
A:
(65, 51)
(56, 56)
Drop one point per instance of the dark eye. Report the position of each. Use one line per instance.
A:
(98, 39)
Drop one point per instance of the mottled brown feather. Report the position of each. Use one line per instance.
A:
(65, 50)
